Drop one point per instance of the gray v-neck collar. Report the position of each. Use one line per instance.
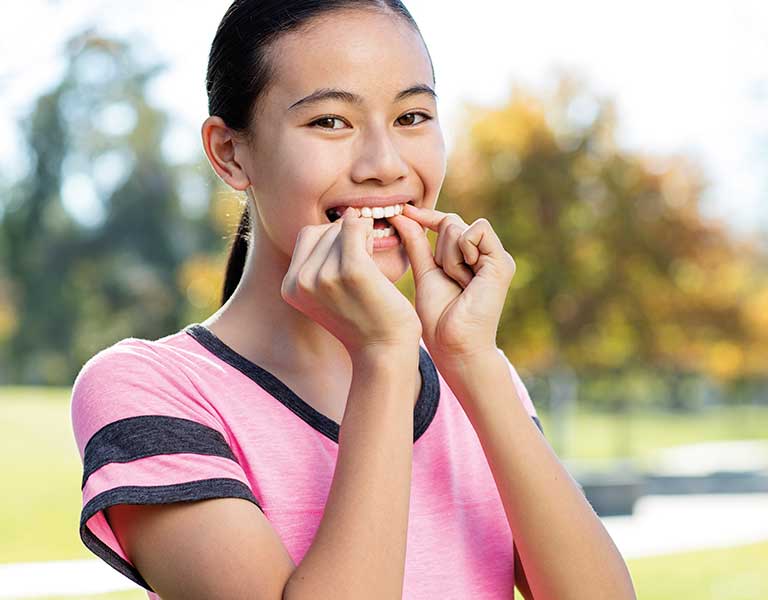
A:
(423, 411)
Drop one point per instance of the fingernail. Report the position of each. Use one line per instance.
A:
(350, 212)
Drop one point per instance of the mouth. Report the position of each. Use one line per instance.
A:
(379, 222)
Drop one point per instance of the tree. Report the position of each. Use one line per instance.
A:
(72, 286)
(614, 258)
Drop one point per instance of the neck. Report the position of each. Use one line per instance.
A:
(258, 322)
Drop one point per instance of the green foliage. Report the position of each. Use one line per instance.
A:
(70, 287)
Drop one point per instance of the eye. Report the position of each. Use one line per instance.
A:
(326, 119)
(425, 116)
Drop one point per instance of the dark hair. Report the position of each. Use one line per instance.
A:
(239, 71)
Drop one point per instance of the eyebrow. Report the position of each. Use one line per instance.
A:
(351, 98)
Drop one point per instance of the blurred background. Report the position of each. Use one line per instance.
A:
(619, 149)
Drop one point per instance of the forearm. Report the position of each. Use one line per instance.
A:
(359, 548)
(565, 549)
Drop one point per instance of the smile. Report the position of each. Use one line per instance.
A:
(379, 213)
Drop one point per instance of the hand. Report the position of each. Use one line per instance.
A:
(334, 280)
(460, 292)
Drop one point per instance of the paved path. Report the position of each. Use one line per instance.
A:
(660, 525)
(667, 524)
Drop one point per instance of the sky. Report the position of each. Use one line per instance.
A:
(687, 76)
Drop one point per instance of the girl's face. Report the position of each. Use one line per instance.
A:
(369, 140)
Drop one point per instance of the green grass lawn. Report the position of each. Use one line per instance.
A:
(723, 574)
(41, 467)
(592, 435)
(130, 595)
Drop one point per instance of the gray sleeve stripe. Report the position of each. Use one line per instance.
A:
(163, 494)
(538, 423)
(132, 438)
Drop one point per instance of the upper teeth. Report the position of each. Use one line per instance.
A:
(380, 212)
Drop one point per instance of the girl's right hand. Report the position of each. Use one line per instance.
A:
(334, 280)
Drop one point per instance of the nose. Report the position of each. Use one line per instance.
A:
(379, 158)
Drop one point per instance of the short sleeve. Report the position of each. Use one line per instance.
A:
(522, 392)
(145, 436)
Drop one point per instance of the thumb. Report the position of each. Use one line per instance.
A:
(416, 245)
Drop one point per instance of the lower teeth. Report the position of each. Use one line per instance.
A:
(385, 232)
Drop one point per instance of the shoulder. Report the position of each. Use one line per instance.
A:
(130, 363)
(130, 379)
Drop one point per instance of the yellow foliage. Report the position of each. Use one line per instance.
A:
(533, 341)
(613, 340)
(201, 278)
(689, 276)
(8, 321)
(592, 256)
(724, 359)
(518, 128)
(524, 271)
(671, 338)
(226, 210)
(730, 282)
(756, 313)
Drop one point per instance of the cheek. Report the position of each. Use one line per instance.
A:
(430, 165)
(300, 177)
(292, 180)
(311, 155)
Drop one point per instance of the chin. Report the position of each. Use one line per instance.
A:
(392, 263)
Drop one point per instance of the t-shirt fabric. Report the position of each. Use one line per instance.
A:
(185, 417)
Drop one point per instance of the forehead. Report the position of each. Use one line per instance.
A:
(363, 51)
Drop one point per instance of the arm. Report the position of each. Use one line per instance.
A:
(359, 548)
(521, 581)
(226, 548)
(566, 550)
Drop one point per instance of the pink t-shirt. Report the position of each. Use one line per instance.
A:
(185, 417)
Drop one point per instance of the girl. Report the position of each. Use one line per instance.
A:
(318, 436)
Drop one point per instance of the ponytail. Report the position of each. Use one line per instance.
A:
(237, 255)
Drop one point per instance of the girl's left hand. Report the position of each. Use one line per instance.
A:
(460, 292)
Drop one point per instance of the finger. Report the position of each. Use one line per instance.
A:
(455, 223)
(444, 238)
(306, 241)
(321, 250)
(416, 245)
(482, 236)
(356, 235)
(430, 217)
(452, 257)
(469, 251)
(329, 270)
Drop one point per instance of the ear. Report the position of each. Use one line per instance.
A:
(225, 150)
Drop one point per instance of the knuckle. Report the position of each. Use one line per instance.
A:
(326, 279)
(286, 289)
(456, 228)
(305, 281)
(349, 272)
(511, 263)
